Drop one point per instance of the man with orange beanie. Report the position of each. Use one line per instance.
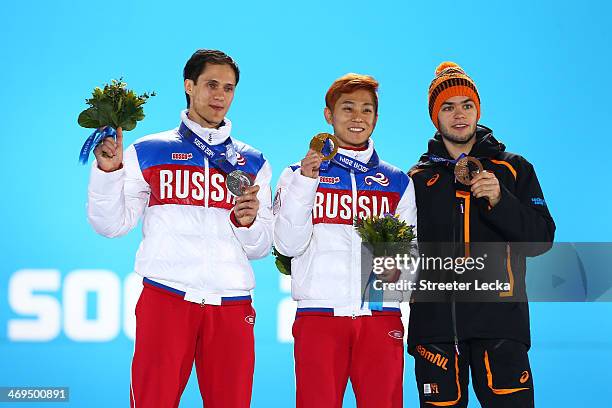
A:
(492, 200)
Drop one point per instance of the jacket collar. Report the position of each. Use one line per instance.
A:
(486, 146)
(211, 136)
(363, 156)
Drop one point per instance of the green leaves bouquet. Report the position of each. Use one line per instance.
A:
(378, 233)
(382, 236)
(110, 108)
(282, 262)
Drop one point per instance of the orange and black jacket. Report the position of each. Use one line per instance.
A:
(520, 225)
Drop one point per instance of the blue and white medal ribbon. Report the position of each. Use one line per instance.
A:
(438, 159)
(93, 140)
(343, 160)
(222, 155)
(375, 301)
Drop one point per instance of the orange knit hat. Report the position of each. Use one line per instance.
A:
(451, 80)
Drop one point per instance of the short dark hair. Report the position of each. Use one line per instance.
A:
(197, 64)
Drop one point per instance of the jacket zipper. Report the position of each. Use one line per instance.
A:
(453, 302)
(205, 212)
(454, 316)
(353, 243)
(206, 182)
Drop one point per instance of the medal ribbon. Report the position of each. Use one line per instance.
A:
(438, 159)
(92, 141)
(375, 301)
(222, 155)
(343, 160)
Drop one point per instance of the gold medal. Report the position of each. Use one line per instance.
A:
(466, 168)
(318, 142)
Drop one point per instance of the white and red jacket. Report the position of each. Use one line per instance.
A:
(190, 242)
(314, 225)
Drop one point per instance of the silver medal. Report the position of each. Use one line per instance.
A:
(237, 181)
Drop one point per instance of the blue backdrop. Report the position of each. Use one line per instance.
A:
(66, 293)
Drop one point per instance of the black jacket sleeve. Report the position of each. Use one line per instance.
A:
(523, 217)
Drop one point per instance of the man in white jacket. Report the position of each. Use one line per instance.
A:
(337, 334)
(197, 242)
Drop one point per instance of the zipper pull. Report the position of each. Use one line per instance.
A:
(457, 346)
(461, 206)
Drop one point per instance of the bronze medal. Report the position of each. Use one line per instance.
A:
(466, 168)
(318, 142)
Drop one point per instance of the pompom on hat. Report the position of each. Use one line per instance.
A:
(451, 80)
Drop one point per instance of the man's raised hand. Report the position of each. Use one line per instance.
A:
(109, 152)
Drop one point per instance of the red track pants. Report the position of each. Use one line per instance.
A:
(172, 333)
(329, 350)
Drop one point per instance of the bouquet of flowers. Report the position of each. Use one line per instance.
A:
(382, 236)
(282, 262)
(379, 232)
(110, 108)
